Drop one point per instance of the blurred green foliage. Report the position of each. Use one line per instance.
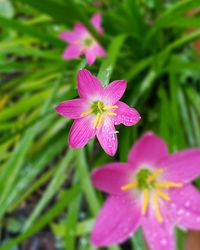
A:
(148, 45)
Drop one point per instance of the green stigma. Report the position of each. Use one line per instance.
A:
(142, 179)
(97, 107)
(88, 42)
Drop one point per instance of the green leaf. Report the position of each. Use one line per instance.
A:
(45, 219)
(24, 29)
(108, 64)
(52, 188)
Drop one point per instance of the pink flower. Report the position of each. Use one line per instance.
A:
(96, 112)
(81, 41)
(152, 190)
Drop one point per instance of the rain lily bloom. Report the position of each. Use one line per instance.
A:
(81, 41)
(96, 112)
(151, 191)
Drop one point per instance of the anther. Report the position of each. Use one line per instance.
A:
(155, 174)
(129, 186)
(145, 201)
(99, 105)
(110, 107)
(110, 113)
(162, 195)
(157, 207)
(96, 119)
(89, 111)
(168, 185)
(100, 121)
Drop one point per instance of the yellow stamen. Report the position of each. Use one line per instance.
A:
(145, 201)
(162, 195)
(96, 119)
(168, 185)
(89, 111)
(157, 208)
(129, 186)
(100, 121)
(110, 113)
(99, 105)
(155, 174)
(110, 107)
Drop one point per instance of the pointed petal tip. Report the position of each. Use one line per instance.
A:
(108, 150)
(96, 241)
(149, 134)
(58, 109)
(111, 154)
(138, 118)
(124, 82)
(88, 84)
(83, 70)
(149, 148)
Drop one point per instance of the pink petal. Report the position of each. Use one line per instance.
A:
(90, 55)
(185, 206)
(118, 218)
(111, 177)
(88, 85)
(114, 91)
(159, 236)
(125, 115)
(79, 28)
(72, 108)
(69, 37)
(81, 132)
(107, 137)
(72, 51)
(96, 21)
(148, 150)
(183, 166)
(99, 50)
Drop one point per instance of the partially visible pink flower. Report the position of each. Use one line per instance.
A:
(153, 190)
(96, 112)
(81, 41)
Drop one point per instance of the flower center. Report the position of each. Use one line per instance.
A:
(152, 189)
(99, 111)
(88, 41)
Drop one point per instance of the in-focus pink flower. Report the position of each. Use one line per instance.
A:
(151, 191)
(96, 112)
(81, 41)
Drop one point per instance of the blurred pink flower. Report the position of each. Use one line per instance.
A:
(96, 112)
(81, 41)
(152, 190)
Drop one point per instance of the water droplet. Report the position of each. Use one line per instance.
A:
(82, 215)
(84, 241)
(187, 204)
(180, 211)
(163, 242)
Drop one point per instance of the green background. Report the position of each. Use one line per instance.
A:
(45, 187)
